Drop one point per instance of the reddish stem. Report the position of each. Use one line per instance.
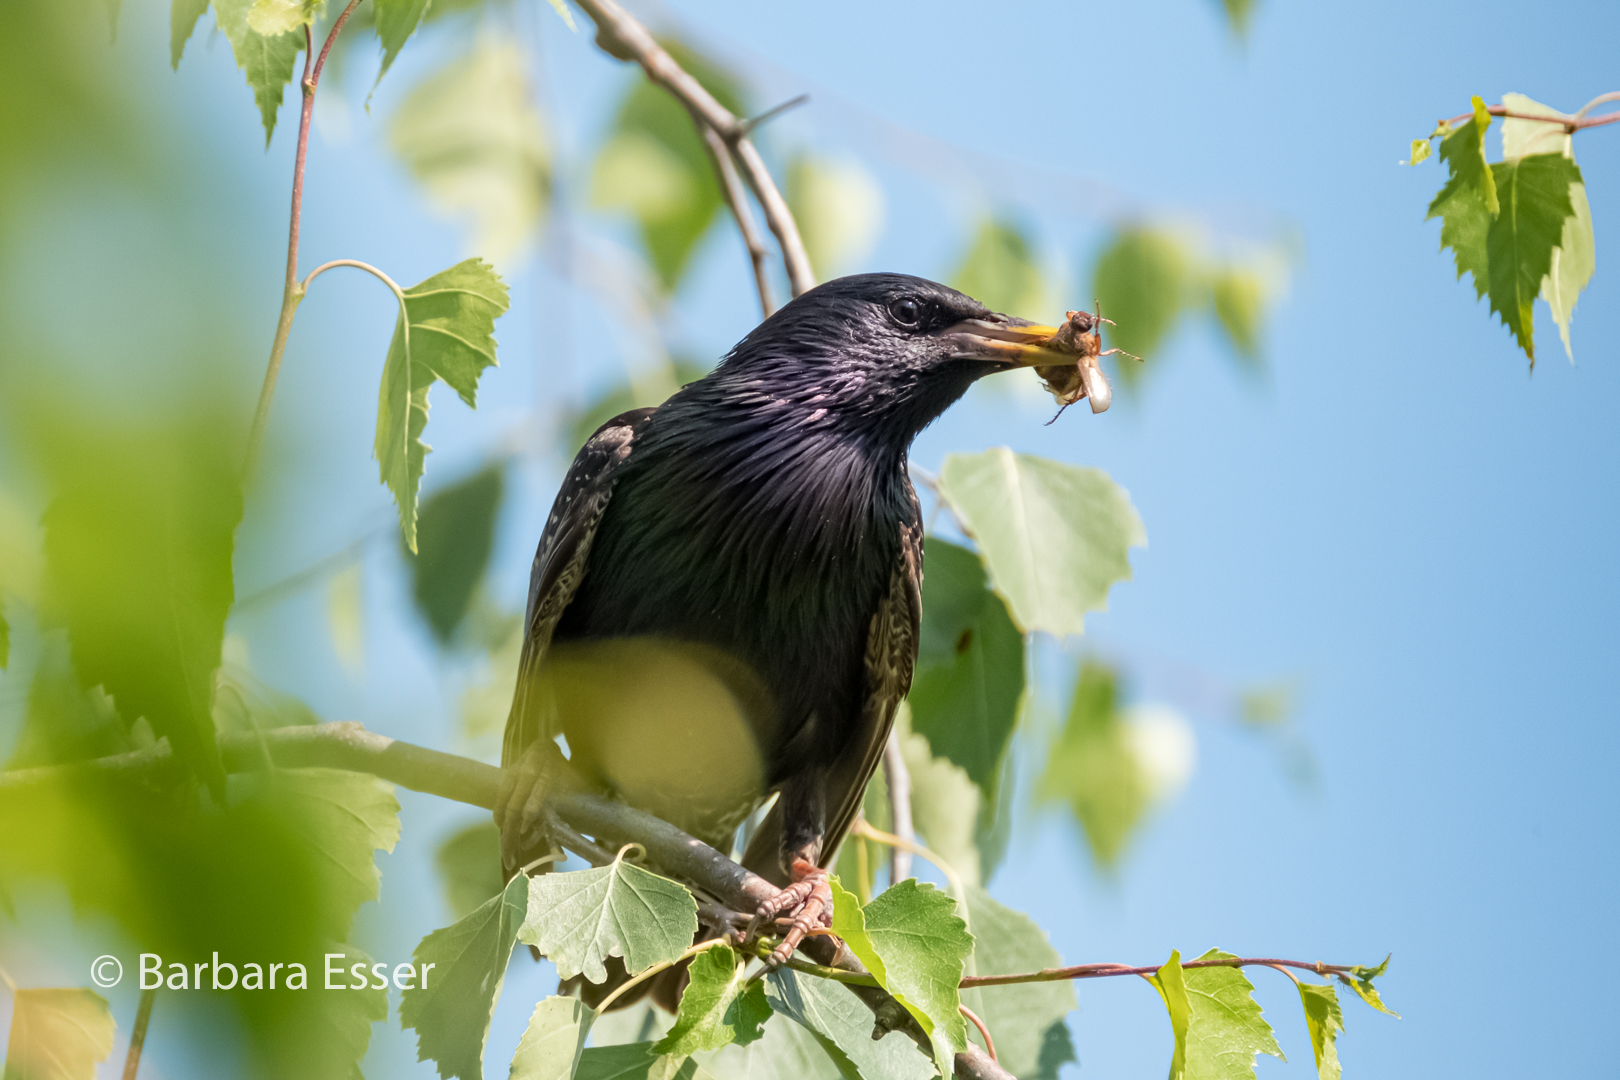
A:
(1570, 124)
(1103, 971)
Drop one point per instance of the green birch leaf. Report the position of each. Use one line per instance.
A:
(268, 62)
(1363, 986)
(719, 1006)
(1170, 982)
(554, 1040)
(396, 21)
(946, 806)
(1143, 280)
(1027, 1020)
(445, 330)
(849, 923)
(924, 945)
(836, 1036)
(146, 616)
(1092, 768)
(58, 1035)
(1324, 1021)
(579, 919)
(273, 17)
(839, 207)
(454, 536)
(460, 970)
(342, 817)
(970, 666)
(1535, 204)
(183, 16)
(1420, 152)
(472, 137)
(1225, 1029)
(999, 270)
(336, 1031)
(1462, 205)
(1575, 258)
(1239, 295)
(1237, 15)
(1055, 537)
(634, 1061)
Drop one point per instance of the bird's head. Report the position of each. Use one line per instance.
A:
(885, 352)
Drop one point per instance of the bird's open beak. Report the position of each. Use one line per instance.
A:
(1019, 343)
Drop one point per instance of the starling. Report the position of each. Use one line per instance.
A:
(724, 603)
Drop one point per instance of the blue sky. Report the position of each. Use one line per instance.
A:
(1394, 517)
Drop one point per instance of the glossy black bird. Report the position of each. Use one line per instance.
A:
(724, 604)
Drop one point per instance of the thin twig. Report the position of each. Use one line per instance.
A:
(655, 969)
(291, 292)
(773, 112)
(984, 1032)
(737, 199)
(1570, 124)
(899, 784)
(1108, 971)
(620, 35)
(137, 1036)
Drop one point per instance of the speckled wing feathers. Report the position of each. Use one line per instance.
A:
(560, 560)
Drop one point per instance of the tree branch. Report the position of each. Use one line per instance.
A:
(620, 35)
(737, 199)
(899, 783)
(1571, 124)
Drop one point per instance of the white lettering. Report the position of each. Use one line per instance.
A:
(425, 969)
(301, 975)
(406, 972)
(252, 977)
(331, 971)
(273, 969)
(217, 966)
(155, 970)
(177, 971)
(379, 975)
(359, 977)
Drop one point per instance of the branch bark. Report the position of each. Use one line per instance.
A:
(899, 782)
(620, 35)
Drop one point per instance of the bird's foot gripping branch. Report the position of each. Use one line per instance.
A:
(946, 973)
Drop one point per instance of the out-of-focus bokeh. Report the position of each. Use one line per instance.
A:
(1355, 697)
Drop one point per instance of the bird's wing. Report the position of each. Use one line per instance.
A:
(891, 653)
(560, 562)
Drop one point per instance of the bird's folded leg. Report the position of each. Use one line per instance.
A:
(808, 902)
(522, 812)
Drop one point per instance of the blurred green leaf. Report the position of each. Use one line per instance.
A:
(58, 1034)
(1142, 280)
(451, 1013)
(243, 704)
(346, 616)
(1324, 1020)
(1535, 205)
(342, 817)
(268, 62)
(1171, 984)
(1573, 263)
(1055, 537)
(1026, 1020)
(272, 17)
(471, 135)
(62, 720)
(1238, 13)
(1466, 203)
(486, 702)
(719, 1006)
(579, 919)
(1092, 769)
(946, 806)
(554, 1040)
(831, 1037)
(396, 21)
(970, 665)
(145, 615)
(469, 864)
(656, 167)
(839, 208)
(1000, 271)
(445, 330)
(455, 534)
(1240, 304)
(338, 1026)
(1225, 1030)
(183, 16)
(634, 1061)
(923, 945)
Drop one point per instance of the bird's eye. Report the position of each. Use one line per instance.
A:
(906, 311)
